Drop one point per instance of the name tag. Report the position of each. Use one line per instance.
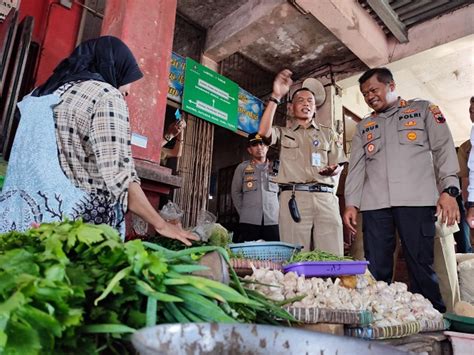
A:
(315, 159)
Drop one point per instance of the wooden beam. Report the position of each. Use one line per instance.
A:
(353, 26)
(243, 27)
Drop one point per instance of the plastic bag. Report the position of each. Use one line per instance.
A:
(205, 223)
(172, 213)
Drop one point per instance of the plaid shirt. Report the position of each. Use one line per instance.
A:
(93, 136)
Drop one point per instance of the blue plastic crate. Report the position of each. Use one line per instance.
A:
(274, 251)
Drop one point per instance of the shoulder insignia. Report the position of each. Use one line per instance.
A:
(437, 114)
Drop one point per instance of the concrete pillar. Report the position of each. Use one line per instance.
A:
(147, 27)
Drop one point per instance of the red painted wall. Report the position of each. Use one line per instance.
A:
(148, 29)
(55, 29)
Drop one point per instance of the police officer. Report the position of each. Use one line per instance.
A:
(311, 158)
(399, 154)
(255, 197)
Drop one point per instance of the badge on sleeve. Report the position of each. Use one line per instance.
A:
(437, 114)
(315, 159)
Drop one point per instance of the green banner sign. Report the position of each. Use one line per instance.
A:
(210, 96)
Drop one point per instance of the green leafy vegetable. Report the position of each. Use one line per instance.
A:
(73, 287)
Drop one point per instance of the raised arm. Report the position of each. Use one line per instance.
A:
(281, 86)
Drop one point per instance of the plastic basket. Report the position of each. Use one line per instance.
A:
(327, 268)
(274, 251)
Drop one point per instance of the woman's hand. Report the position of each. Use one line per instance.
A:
(174, 231)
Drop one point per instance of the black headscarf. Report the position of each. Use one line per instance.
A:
(105, 59)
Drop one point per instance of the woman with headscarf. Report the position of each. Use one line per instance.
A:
(72, 156)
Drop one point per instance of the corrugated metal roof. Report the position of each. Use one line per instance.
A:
(413, 12)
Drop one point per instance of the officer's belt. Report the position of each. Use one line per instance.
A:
(308, 188)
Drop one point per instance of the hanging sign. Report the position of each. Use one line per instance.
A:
(250, 112)
(210, 96)
(176, 77)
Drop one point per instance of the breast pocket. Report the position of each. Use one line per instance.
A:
(289, 148)
(411, 131)
(250, 184)
(273, 187)
(372, 142)
(322, 149)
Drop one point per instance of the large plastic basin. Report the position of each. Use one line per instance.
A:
(226, 339)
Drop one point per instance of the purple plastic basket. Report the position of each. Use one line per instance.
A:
(327, 268)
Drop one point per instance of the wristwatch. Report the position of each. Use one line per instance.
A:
(274, 99)
(452, 191)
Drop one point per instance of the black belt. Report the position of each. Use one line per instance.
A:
(308, 188)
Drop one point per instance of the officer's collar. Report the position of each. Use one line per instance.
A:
(297, 125)
(401, 103)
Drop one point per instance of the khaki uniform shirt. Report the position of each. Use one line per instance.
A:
(305, 151)
(254, 196)
(396, 155)
(463, 158)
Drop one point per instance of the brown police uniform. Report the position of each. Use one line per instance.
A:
(399, 157)
(303, 153)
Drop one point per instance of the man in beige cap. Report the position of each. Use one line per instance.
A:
(311, 157)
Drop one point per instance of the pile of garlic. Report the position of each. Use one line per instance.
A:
(322, 293)
(390, 304)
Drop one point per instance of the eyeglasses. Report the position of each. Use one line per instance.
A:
(255, 143)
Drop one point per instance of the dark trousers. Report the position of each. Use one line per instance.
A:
(249, 232)
(416, 228)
